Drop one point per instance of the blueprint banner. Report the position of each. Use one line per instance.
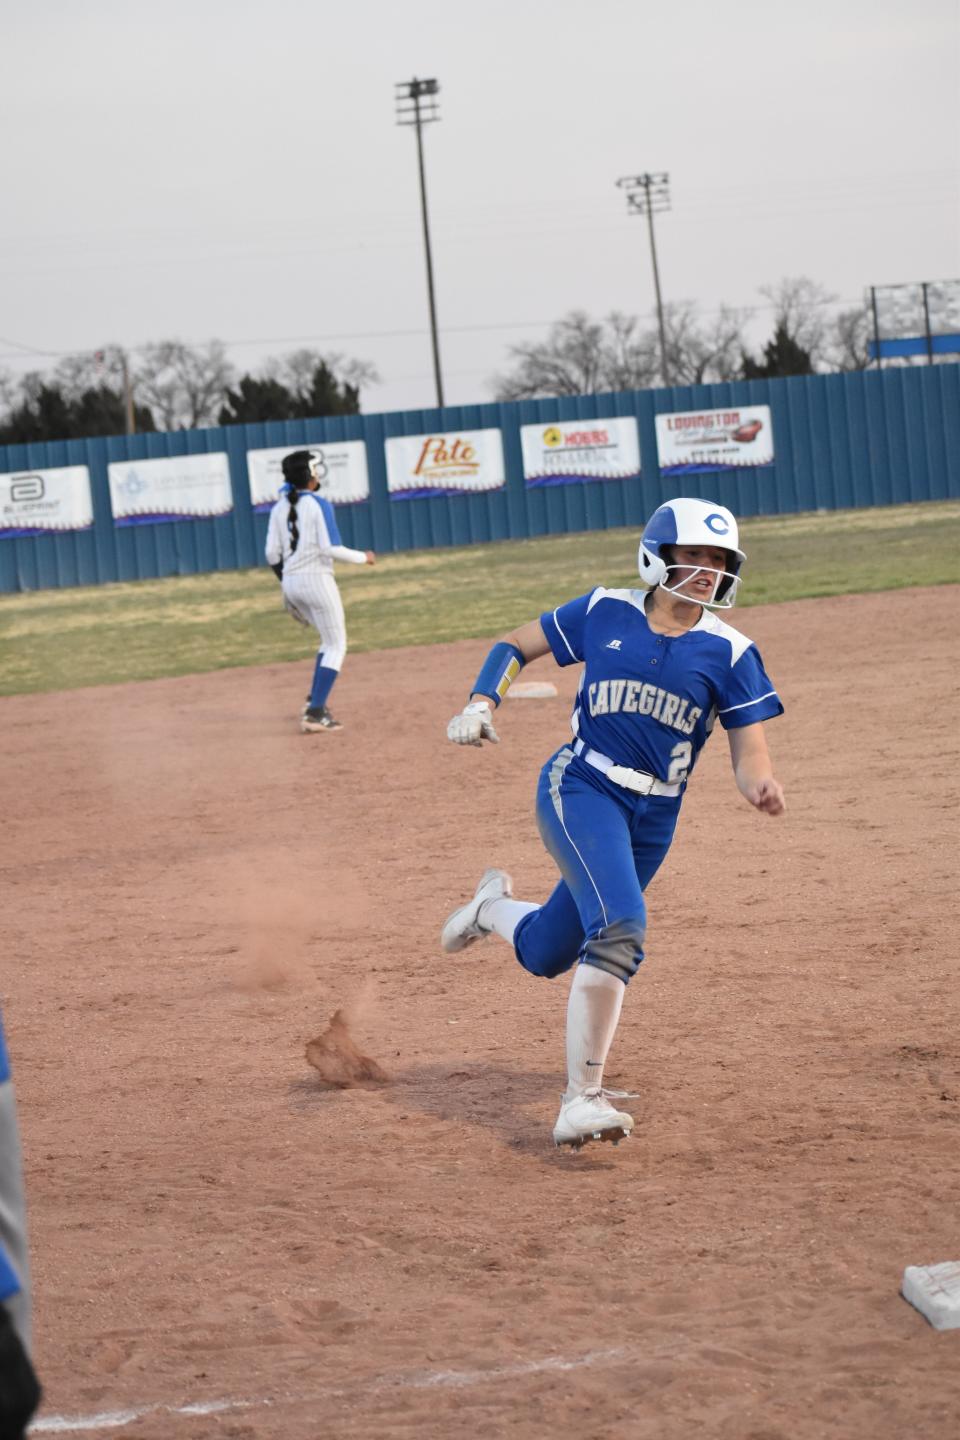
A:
(343, 472)
(573, 451)
(452, 463)
(36, 502)
(181, 487)
(693, 441)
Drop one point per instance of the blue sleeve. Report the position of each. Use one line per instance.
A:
(330, 519)
(748, 695)
(565, 628)
(9, 1279)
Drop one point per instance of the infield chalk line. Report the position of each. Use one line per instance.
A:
(116, 1419)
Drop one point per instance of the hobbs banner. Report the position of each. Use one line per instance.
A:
(572, 451)
(698, 440)
(453, 463)
(343, 472)
(35, 502)
(185, 487)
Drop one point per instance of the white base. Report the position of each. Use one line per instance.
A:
(935, 1291)
(532, 690)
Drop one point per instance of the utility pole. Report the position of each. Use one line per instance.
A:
(100, 359)
(645, 194)
(127, 393)
(417, 106)
(876, 326)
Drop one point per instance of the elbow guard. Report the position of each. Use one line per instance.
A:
(498, 672)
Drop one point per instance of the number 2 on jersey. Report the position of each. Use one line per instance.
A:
(680, 757)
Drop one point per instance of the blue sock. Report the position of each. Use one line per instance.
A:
(323, 681)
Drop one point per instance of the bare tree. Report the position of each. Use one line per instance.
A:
(848, 339)
(183, 385)
(297, 371)
(582, 357)
(702, 354)
(85, 371)
(8, 392)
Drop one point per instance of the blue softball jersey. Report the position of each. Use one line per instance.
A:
(650, 701)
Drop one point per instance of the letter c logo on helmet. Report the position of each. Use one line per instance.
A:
(717, 524)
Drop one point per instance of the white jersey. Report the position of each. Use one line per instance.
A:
(319, 543)
(307, 578)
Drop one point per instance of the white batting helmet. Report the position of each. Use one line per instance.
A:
(691, 522)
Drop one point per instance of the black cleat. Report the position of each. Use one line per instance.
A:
(316, 719)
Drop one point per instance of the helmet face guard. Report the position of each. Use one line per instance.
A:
(697, 523)
(300, 467)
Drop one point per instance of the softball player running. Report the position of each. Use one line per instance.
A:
(659, 668)
(302, 543)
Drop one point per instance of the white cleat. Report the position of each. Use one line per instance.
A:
(462, 928)
(590, 1116)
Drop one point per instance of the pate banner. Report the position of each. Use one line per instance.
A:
(453, 463)
(570, 452)
(343, 472)
(181, 487)
(38, 502)
(692, 441)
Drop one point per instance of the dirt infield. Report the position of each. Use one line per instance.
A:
(224, 1245)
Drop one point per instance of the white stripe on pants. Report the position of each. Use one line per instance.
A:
(315, 594)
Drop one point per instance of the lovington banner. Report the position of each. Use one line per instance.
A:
(690, 442)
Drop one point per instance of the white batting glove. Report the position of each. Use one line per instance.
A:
(473, 725)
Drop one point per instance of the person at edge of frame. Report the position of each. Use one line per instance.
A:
(19, 1387)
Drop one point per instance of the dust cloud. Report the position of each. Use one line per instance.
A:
(338, 1061)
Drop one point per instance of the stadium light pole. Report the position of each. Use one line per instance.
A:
(645, 195)
(417, 105)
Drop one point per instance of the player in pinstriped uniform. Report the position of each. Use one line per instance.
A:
(303, 541)
(19, 1391)
(659, 669)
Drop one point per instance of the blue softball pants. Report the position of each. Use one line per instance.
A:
(608, 844)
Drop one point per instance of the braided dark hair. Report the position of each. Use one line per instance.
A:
(292, 498)
(297, 472)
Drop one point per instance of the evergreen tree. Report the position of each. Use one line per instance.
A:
(782, 355)
(328, 396)
(254, 401)
(48, 414)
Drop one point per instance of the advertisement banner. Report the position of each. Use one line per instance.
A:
(181, 487)
(570, 452)
(343, 472)
(454, 463)
(39, 502)
(693, 441)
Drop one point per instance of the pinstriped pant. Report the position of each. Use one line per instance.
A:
(12, 1225)
(315, 594)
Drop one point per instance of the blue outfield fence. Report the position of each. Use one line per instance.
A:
(841, 441)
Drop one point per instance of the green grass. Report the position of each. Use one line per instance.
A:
(65, 639)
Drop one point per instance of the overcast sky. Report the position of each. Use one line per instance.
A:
(231, 169)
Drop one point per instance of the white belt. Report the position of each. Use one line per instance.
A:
(637, 780)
